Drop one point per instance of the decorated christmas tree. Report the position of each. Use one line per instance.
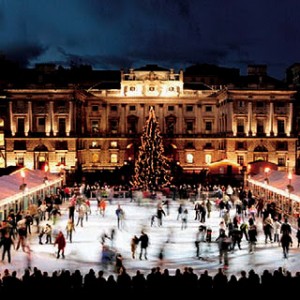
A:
(152, 170)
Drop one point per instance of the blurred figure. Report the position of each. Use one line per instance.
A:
(133, 245)
(144, 239)
(286, 241)
(69, 229)
(6, 243)
(60, 241)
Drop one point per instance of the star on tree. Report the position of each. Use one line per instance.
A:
(152, 170)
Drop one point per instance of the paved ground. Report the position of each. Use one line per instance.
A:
(85, 250)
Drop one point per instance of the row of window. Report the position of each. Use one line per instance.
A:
(188, 108)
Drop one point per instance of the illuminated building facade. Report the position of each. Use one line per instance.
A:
(97, 126)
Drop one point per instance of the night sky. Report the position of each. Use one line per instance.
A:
(115, 34)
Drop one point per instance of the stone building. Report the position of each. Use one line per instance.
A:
(94, 123)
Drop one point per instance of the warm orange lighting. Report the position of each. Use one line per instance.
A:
(22, 174)
(267, 170)
(46, 168)
(290, 176)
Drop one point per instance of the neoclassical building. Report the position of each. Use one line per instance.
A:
(97, 125)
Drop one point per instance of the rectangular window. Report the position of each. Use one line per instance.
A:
(113, 126)
(208, 125)
(240, 146)
(113, 144)
(208, 158)
(281, 145)
(260, 126)
(241, 104)
(132, 107)
(170, 108)
(240, 160)
(170, 126)
(189, 127)
(114, 158)
(20, 161)
(281, 161)
(240, 126)
(131, 126)
(189, 108)
(61, 125)
(208, 108)
(95, 126)
(280, 127)
(114, 108)
(41, 124)
(95, 108)
(1, 139)
(189, 158)
(21, 126)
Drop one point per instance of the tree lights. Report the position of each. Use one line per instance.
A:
(152, 170)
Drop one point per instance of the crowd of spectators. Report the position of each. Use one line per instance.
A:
(157, 279)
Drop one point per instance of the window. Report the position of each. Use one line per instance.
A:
(1, 139)
(260, 104)
(240, 126)
(41, 124)
(19, 145)
(95, 126)
(94, 144)
(189, 108)
(61, 125)
(207, 158)
(170, 126)
(171, 108)
(281, 146)
(281, 161)
(132, 107)
(113, 126)
(113, 144)
(189, 127)
(208, 146)
(240, 160)
(241, 146)
(171, 88)
(151, 88)
(280, 127)
(61, 145)
(260, 126)
(189, 145)
(132, 125)
(132, 88)
(40, 104)
(62, 161)
(1, 122)
(280, 104)
(95, 108)
(241, 104)
(20, 161)
(114, 108)
(208, 125)
(95, 158)
(114, 158)
(189, 158)
(208, 108)
(21, 125)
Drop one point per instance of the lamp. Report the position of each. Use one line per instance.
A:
(267, 170)
(46, 168)
(23, 185)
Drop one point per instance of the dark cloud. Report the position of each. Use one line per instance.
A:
(124, 33)
(24, 54)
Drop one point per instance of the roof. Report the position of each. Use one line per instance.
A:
(278, 182)
(34, 180)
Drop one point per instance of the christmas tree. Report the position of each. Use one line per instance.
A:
(152, 170)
